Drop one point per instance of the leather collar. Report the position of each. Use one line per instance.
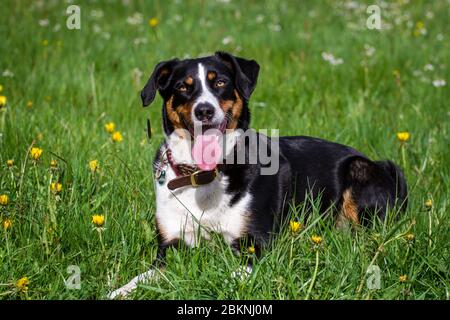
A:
(188, 175)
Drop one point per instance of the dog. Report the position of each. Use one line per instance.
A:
(235, 199)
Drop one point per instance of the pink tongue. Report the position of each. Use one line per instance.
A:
(206, 151)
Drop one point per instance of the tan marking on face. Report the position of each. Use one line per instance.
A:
(189, 80)
(211, 75)
(180, 116)
(236, 109)
(349, 210)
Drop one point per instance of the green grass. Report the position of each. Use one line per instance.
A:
(84, 78)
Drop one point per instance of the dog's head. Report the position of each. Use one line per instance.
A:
(211, 91)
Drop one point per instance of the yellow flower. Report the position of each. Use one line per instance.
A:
(10, 163)
(403, 136)
(36, 153)
(22, 284)
(53, 164)
(403, 278)
(295, 226)
(48, 98)
(117, 136)
(110, 127)
(153, 22)
(45, 42)
(410, 237)
(30, 104)
(316, 239)
(1, 88)
(94, 165)
(56, 187)
(4, 200)
(98, 220)
(3, 101)
(429, 204)
(7, 223)
(251, 250)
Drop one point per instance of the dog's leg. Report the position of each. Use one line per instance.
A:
(152, 273)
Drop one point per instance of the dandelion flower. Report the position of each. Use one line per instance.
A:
(53, 164)
(428, 204)
(110, 127)
(251, 250)
(7, 223)
(36, 153)
(153, 22)
(3, 101)
(403, 136)
(56, 187)
(98, 220)
(403, 278)
(22, 284)
(45, 42)
(10, 163)
(117, 137)
(295, 226)
(30, 104)
(409, 237)
(94, 165)
(4, 200)
(316, 239)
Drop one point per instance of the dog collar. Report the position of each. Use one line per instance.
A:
(188, 175)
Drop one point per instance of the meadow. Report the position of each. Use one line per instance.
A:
(323, 73)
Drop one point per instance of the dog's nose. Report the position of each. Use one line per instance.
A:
(204, 112)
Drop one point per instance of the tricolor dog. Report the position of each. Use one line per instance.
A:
(228, 193)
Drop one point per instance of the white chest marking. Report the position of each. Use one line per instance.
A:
(189, 213)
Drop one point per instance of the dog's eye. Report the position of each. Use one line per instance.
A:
(182, 88)
(219, 83)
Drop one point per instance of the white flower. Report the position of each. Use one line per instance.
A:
(331, 59)
(177, 18)
(327, 56)
(439, 37)
(43, 22)
(428, 67)
(275, 27)
(369, 51)
(135, 19)
(138, 41)
(429, 15)
(439, 83)
(7, 73)
(259, 18)
(57, 27)
(227, 40)
(96, 28)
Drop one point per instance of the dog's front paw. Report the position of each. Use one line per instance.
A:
(122, 292)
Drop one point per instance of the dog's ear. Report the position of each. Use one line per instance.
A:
(159, 80)
(246, 72)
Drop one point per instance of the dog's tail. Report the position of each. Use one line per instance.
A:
(374, 187)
